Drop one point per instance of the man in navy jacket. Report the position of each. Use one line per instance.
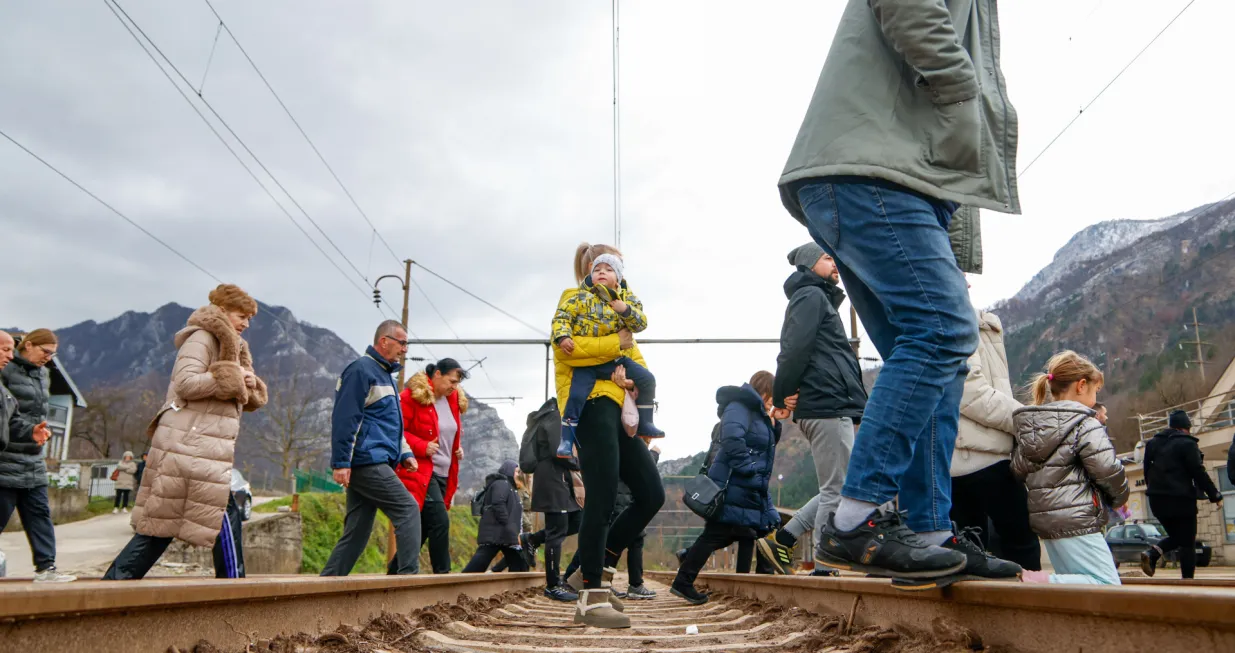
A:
(367, 442)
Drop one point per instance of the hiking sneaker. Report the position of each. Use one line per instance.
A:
(884, 546)
(606, 581)
(529, 551)
(688, 593)
(52, 575)
(617, 592)
(979, 563)
(595, 608)
(640, 592)
(562, 594)
(1149, 560)
(777, 556)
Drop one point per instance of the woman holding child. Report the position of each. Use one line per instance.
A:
(593, 326)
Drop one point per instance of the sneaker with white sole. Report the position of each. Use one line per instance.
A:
(640, 592)
(52, 575)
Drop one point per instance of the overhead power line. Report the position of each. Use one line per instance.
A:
(479, 299)
(239, 140)
(299, 128)
(469, 351)
(230, 149)
(1104, 88)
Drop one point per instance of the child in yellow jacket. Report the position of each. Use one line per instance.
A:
(602, 306)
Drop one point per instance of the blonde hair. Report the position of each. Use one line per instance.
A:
(1062, 370)
(585, 254)
(38, 338)
(763, 382)
(230, 297)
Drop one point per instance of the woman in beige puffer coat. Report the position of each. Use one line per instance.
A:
(126, 476)
(984, 491)
(186, 487)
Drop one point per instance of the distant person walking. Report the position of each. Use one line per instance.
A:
(21, 437)
(553, 494)
(1176, 479)
(818, 378)
(500, 519)
(366, 431)
(909, 120)
(23, 472)
(193, 443)
(433, 405)
(983, 486)
(126, 477)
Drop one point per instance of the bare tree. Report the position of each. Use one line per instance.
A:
(298, 430)
(117, 416)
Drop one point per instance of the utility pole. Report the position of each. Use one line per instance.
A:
(1200, 353)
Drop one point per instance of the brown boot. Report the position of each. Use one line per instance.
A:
(606, 581)
(594, 609)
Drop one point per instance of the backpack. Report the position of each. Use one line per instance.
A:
(478, 502)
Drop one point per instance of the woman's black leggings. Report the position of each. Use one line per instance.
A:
(607, 454)
(122, 498)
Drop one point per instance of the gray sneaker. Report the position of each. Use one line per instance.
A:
(52, 575)
(640, 592)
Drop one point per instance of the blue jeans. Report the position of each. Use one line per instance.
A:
(583, 379)
(892, 249)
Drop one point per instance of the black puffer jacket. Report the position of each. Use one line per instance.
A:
(8, 410)
(815, 360)
(1174, 467)
(502, 513)
(552, 489)
(21, 462)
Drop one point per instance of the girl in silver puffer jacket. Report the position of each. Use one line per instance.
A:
(1068, 465)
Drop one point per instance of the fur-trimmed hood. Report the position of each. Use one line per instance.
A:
(213, 320)
(422, 391)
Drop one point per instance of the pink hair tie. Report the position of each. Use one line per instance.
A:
(1050, 377)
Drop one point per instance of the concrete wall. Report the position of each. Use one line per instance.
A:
(65, 503)
(272, 545)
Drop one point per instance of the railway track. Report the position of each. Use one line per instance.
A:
(505, 613)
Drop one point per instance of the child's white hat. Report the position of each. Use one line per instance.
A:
(613, 262)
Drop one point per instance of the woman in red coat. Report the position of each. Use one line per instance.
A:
(433, 404)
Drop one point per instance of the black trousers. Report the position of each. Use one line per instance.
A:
(994, 493)
(746, 555)
(122, 496)
(140, 554)
(715, 536)
(607, 454)
(558, 527)
(33, 507)
(485, 554)
(435, 525)
(1178, 517)
(634, 561)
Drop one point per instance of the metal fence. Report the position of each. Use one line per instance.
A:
(1221, 409)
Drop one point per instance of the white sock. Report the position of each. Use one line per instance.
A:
(851, 513)
(936, 538)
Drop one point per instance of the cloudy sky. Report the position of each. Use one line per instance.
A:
(478, 139)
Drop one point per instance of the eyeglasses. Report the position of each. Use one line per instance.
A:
(402, 343)
(51, 353)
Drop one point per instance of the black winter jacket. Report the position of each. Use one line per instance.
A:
(502, 514)
(1174, 467)
(552, 489)
(815, 360)
(21, 462)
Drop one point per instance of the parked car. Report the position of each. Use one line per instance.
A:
(243, 494)
(1128, 541)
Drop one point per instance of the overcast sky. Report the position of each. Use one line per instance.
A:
(478, 138)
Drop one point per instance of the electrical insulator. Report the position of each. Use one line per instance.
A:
(377, 297)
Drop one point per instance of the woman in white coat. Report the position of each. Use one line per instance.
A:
(984, 492)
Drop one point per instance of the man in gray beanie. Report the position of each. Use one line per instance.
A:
(818, 377)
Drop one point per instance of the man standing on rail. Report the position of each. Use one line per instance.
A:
(909, 120)
(366, 443)
(817, 368)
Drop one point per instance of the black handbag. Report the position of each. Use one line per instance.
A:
(703, 496)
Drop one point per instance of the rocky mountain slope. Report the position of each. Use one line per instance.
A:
(125, 362)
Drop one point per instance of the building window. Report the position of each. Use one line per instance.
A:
(1228, 503)
(57, 414)
(55, 444)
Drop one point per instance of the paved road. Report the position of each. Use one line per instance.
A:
(81, 547)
